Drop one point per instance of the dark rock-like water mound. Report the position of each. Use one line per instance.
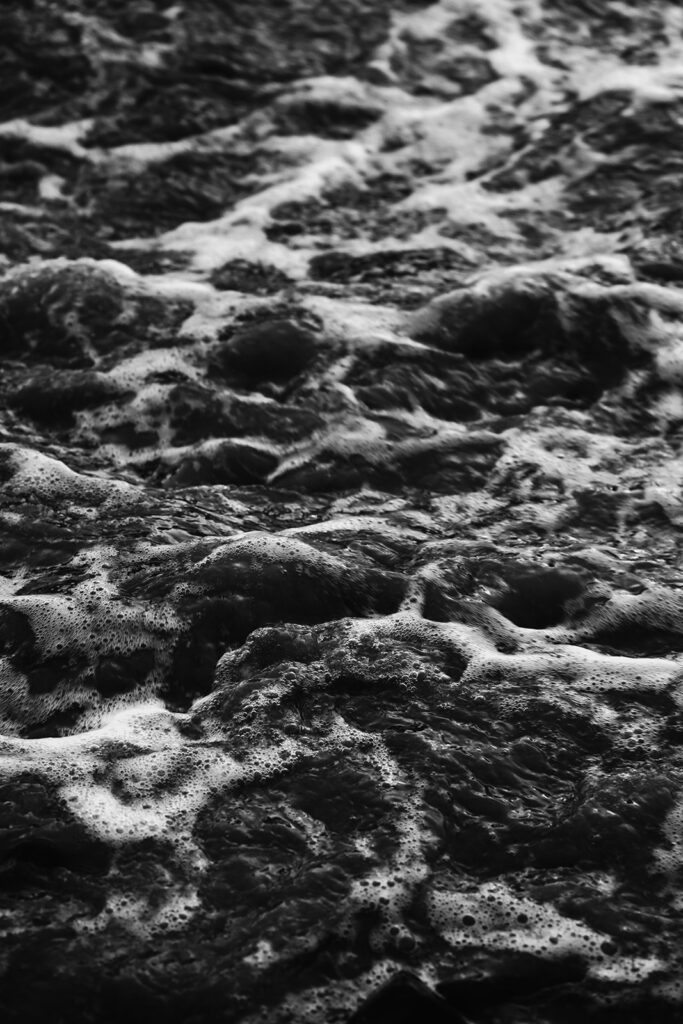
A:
(341, 580)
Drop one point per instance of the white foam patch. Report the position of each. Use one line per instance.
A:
(332, 1002)
(141, 808)
(670, 856)
(569, 457)
(352, 526)
(203, 449)
(132, 372)
(447, 135)
(561, 269)
(66, 137)
(389, 890)
(659, 83)
(24, 210)
(239, 234)
(499, 919)
(51, 188)
(343, 91)
(46, 479)
(142, 917)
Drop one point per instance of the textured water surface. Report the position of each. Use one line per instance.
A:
(341, 577)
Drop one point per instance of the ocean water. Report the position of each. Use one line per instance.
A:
(341, 498)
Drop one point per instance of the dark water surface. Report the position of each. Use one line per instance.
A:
(341, 578)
